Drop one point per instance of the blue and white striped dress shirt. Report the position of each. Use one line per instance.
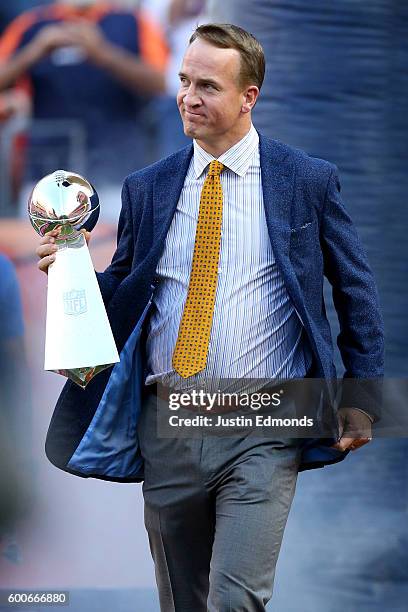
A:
(256, 332)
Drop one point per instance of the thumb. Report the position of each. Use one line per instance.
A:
(87, 235)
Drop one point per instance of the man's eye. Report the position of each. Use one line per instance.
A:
(209, 86)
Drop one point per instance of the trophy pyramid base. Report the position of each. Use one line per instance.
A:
(82, 376)
(79, 342)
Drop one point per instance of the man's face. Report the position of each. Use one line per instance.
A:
(210, 98)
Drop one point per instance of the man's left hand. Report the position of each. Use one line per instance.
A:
(355, 429)
(87, 35)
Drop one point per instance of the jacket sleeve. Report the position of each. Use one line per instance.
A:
(355, 297)
(121, 263)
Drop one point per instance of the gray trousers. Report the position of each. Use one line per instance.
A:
(215, 509)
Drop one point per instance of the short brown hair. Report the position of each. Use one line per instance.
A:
(228, 36)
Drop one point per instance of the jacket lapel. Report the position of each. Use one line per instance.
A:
(278, 173)
(278, 177)
(166, 192)
(277, 169)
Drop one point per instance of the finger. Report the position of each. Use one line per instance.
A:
(74, 30)
(343, 444)
(53, 232)
(46, 249)
(50, 236)
(357, 433)
(86, 234)
(359, 443)
(350, 443)
(45, 262)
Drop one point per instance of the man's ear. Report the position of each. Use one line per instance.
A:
(250, 98)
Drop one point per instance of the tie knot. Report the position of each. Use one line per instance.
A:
(216, 168)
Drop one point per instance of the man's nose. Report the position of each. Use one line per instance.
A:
(191, 98)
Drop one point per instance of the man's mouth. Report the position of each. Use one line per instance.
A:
(190, 114)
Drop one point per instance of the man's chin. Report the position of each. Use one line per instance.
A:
(190, 131)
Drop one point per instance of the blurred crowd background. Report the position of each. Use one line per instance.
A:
(90, 86)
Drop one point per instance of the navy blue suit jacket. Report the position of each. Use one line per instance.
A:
(92, 432)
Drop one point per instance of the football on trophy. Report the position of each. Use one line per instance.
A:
(65, 200)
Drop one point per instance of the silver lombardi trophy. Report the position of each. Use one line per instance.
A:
(79, 341)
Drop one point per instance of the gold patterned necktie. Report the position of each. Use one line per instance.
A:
(190, 353)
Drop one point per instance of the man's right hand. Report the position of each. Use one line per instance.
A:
(49, 38)
(47, 248)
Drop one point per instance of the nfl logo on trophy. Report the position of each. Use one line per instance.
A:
(75, 302)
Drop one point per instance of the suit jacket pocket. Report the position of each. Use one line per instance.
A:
(304, 251)
(301, 232)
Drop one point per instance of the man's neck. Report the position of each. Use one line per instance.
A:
(216, 149)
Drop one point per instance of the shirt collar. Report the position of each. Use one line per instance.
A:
(238, 158)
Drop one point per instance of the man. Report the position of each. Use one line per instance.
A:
(90, 68)
(224, 244)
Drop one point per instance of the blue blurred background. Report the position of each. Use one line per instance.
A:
(336, 86)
